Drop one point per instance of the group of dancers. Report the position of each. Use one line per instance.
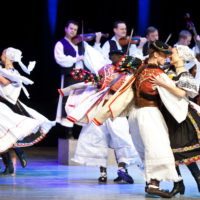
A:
(125, 97)
(135, 102)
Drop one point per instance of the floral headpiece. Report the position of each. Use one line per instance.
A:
(86, 76)
(128, 64)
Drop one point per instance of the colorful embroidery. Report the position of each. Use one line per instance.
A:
(43, 135)
(86, 76)
(187, 161)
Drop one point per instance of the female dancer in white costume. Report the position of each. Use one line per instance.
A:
(20, 126)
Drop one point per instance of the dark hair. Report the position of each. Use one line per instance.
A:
(151, 29)
(158, 46)
(71, 22)
(184, 34)
(115, 25)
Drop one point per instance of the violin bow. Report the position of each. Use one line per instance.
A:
(129, 41)
(82, 35)
(168, 38)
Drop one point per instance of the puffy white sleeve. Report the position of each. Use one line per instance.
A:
(106, 49)
(135, 52)
(61, 58)
(178, 107)
(188, 83)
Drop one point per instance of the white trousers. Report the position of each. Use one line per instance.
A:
(150, 137)
(94, 141)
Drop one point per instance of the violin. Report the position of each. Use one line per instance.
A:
(125, 40)
(86, 37)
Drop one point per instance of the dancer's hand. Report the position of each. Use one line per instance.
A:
(157, 80)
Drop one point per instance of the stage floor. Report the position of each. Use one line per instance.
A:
(44, 179)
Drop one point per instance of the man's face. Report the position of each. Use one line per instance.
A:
(71, 30)
(120, 31)
(161, 58)
(153, 36)
(185, 41)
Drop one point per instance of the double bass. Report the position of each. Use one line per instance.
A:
(192, 28)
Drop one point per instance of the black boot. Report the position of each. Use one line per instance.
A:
(118, 180)
(103, 177)
(179, 187)
(22, 156)
(9, 168)
(194, 169)
(123, 176)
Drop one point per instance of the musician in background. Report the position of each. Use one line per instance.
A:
(151, 35)
(68, 56)
(120, 31)
(184, 38)
(196, 48)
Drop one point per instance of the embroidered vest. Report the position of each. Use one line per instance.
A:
(113, 46)
(108, 73)
(70, 51)
(144, 88)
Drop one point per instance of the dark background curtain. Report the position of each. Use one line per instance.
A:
(26, 25)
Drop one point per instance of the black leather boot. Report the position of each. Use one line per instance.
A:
(194, 169)
(9, 168)
(103, 177)
(22, 156)
(179, 187)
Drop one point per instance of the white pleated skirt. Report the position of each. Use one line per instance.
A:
(14, 127)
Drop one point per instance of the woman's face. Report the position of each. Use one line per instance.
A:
(3, 57)
(175, 58)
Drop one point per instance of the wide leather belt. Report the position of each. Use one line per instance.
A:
(141, 102)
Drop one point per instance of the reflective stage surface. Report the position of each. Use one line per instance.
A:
(44, 179)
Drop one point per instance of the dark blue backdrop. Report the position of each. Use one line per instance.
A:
(35, 26)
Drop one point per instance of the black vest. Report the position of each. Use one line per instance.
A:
(145, 49)
(70, 51)
(113, 46)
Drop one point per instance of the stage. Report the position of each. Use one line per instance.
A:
(44, 179)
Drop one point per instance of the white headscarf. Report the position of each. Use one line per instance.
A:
(15, 55)
(190, 60)
(186, 53)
